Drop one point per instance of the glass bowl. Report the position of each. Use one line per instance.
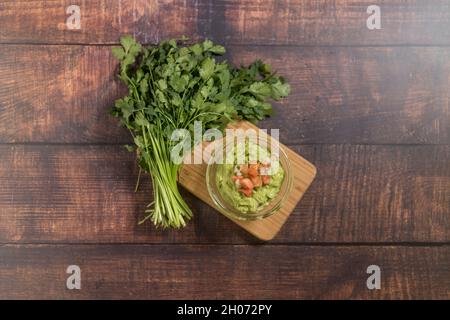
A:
(229, 210)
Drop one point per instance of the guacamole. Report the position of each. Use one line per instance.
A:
(250, 186)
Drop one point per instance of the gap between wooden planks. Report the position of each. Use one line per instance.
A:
(193, 178)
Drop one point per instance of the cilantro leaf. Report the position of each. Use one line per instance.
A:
(171, 85)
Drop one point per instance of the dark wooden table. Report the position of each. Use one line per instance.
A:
(370, 108)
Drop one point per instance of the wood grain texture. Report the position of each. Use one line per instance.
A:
(292, 22)
(193, 178)
(339, 95)
(224, 272)
(336, 23)
(85, 194)
(57, 94)
(369, 108)
(102, 21)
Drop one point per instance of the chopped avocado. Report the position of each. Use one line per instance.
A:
(231, 181)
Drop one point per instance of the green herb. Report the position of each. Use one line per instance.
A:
(171, 85)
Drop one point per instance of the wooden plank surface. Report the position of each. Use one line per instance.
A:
(62, 94)
(370, 108)
(178, 272)
(101, 21)
(76, 194)
(273, 22)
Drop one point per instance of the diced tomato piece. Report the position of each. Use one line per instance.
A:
(253, 170)
(265, 180)
(257, 181)
(234, 178)
(246, 192)
(247, 183)
(244, 169)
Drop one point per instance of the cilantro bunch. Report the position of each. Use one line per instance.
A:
(171, 85)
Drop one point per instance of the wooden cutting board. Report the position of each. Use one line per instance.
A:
(193, 178)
